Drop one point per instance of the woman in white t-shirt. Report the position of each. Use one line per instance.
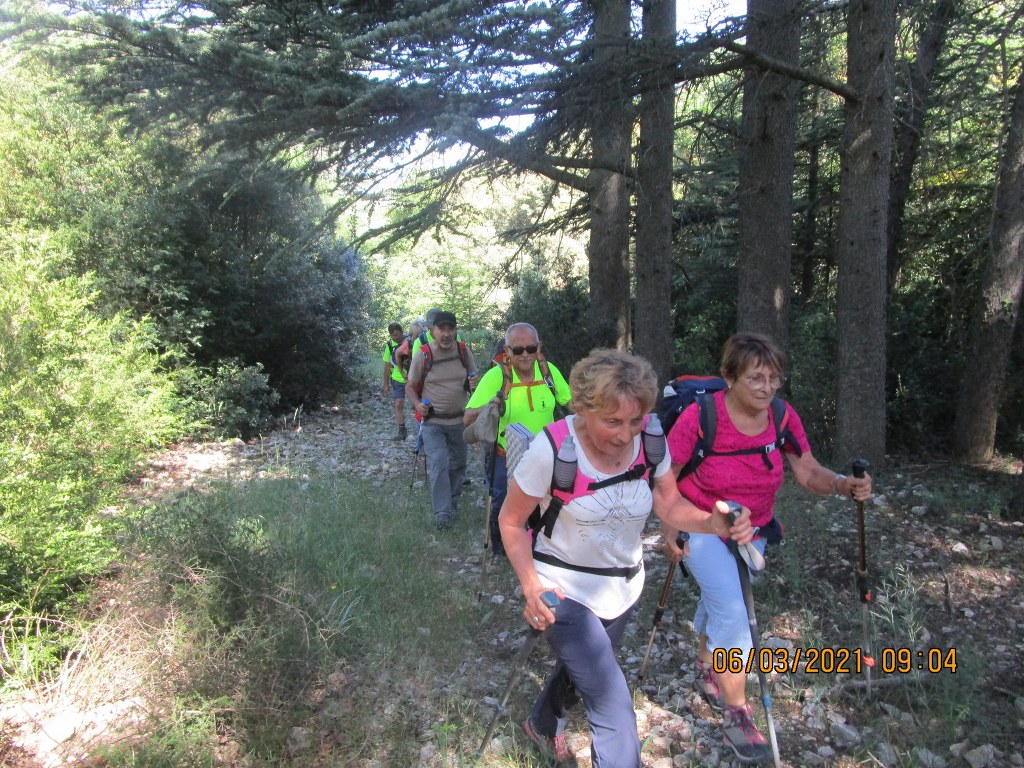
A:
(591, 554)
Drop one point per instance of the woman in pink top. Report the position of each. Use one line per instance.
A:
(752, 366)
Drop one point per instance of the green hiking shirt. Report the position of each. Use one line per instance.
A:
(531, 403)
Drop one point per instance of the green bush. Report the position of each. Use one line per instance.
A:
(232, 265)
(234, 400)
(81, 398)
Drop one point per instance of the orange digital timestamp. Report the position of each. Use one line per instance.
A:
(831, 661)
(904, 660)
(782, 660)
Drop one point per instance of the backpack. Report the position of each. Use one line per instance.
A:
(392, 347)
(545, 375)
(501, 359)
(428, 363)
(652, 450)
(683, 391)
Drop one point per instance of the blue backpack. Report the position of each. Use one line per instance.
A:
(683, 391)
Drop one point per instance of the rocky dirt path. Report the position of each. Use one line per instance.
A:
(966, 576)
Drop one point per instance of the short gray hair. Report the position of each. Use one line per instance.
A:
(520, 326)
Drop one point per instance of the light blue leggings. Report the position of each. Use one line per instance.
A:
(721, 614)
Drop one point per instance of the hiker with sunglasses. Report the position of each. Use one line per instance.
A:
(591, 554)
(745, 464)
(529, 388)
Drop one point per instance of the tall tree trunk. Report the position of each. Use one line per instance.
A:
(653, 330)
(807, 248)
(863, 208)
(767, 146)
(908, 129)
(974, 428)
(1017, 500)
(610, 121)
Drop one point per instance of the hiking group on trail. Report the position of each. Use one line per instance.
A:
(570, 510)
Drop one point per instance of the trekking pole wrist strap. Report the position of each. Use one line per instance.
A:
(836, 479)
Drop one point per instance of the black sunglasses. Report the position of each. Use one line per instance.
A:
(519, 350)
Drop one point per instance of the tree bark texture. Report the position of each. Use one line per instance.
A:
(652, 336)
(863, 208)
(610, 121)
(974, 428)
(909, 128)
(767, 146)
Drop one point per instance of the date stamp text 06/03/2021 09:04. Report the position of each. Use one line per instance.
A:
(833, 660)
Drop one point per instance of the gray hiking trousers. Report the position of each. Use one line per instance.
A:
(446, 467)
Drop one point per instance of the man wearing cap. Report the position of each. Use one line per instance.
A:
(441, 376)
(425, 336)
(529, 388)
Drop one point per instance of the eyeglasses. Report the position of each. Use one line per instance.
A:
(530, 349)
(758, 381)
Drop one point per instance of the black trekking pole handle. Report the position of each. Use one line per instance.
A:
(551, 601)
(681, 538)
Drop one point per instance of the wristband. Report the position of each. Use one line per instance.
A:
(835, 483)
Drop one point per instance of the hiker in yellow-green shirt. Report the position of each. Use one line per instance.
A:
(394, 381)
(531, 389)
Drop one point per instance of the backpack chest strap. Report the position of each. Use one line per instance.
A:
(636, 472)
(529, 385)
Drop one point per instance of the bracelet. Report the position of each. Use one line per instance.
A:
(835, 483)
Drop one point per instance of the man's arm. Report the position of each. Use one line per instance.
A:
(415, 375)
(487, 389)
(562, 392)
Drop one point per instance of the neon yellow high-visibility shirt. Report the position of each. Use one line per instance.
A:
(529, 403)
(396, 372)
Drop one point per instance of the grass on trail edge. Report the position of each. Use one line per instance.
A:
(312, 620)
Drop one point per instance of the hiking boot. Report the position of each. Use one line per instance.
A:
(554, 748)
(707, 686)
(742, 736)
(402, 434)
(443, 523)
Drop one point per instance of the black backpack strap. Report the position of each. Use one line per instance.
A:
(707, 420)
(627, 573)
(783, 434)
(544, 522)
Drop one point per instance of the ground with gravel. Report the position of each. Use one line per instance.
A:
(962, 567)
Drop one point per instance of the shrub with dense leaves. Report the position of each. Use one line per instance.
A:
(81, 398)
(233, 400)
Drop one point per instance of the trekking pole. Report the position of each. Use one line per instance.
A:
(860, 467)
(487, 519)
(551, 601)
(748, 602)
(681, 539)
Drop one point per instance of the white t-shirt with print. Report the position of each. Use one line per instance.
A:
(600, 530)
